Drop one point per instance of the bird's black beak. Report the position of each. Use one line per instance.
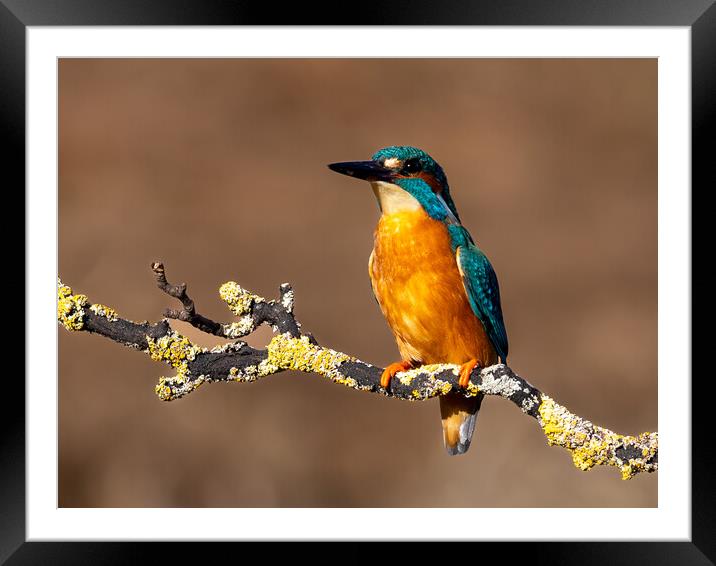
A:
(366, 170)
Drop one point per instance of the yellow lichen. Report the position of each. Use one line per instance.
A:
(595, 451)
(173, 348)
(591, 445)
(443, 386)
(299, 354)
(170, 388)
(238, 329)
(431, 386)
(70, 307)
(105, 311)
(556, 422)
(239, 299)
(650, 441)
(177, 351)
(163, 391)
(472, 389)
(251, 373)
(406, 377)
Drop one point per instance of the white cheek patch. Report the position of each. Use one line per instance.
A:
(450, 216)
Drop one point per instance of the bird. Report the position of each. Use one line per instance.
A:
(435, 287)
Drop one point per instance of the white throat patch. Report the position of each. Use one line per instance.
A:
(392, 198)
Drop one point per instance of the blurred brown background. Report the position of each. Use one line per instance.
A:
(218, 168)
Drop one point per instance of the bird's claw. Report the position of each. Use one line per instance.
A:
(390, 371)
(465, 372)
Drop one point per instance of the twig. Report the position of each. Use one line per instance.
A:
(252, 310)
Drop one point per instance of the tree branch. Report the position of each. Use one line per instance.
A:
(290, 349)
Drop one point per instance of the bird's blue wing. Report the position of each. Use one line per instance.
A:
(483, 292)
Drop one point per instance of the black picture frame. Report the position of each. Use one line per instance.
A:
(17, 15)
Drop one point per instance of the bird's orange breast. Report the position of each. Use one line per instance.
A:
(420, 291)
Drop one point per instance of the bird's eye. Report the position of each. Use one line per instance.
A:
(411, 166)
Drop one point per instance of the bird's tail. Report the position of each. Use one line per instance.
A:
(458, 414)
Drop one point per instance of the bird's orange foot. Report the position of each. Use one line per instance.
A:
(465, 371)
(391, 370)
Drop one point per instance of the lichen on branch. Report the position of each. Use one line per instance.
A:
(292, 349)
(70, 307)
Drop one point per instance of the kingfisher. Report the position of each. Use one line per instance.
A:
(435, 287)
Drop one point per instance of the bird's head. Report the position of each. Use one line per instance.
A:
(405, 177)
